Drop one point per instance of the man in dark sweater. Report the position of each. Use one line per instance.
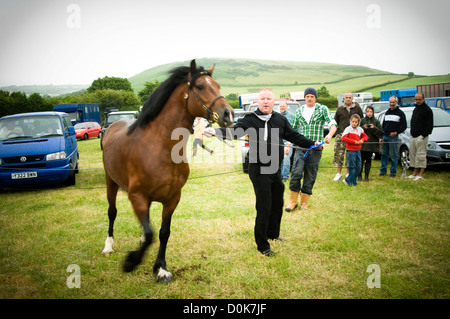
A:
(421, 128)
(266, 131)
(394, 123)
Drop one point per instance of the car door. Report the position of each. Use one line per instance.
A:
(90, 129)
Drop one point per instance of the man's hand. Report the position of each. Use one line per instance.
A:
(320, 147)
(327, 139)
(209, 132)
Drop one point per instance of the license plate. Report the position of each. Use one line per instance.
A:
(23, 175)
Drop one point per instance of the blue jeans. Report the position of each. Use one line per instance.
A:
(286, 165)
(389, 149)
(354, 166)
(306, 168)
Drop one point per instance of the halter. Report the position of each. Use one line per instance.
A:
(215, 116)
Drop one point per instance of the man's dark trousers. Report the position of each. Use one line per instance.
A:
(269, 191)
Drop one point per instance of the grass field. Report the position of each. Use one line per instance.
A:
(399, 225)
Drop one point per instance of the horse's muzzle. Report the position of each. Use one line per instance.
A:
(227, 120)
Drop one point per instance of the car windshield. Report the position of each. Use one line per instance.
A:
(118, 117)
(30, 127)
(408, 100)
(80, 126)
(447, 104)
(379, 107)
(440, 117)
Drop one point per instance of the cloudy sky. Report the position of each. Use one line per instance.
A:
(77, 41)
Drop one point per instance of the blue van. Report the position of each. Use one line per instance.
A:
(37, 149)
(440, 102)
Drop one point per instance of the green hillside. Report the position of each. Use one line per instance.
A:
(246, 76)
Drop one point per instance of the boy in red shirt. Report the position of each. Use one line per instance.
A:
(354, 137)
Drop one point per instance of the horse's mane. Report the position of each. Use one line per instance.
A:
(156, 101)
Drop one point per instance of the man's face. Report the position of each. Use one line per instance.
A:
(266, 101)
(348, 99)
(283, 107)
(419, 99)
(392, 103)
(310, 100)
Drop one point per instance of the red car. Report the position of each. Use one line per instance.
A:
(87, 130)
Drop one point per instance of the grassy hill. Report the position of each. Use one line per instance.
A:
(50, 89)
(247, 76)
(242, 76)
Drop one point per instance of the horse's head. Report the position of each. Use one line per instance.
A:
(209, 103)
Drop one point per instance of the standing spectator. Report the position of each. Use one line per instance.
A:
(421, 128)
(394, 123)
(199, 127)
(372, 128)
(308, 121)
(354, 137)
(342, 118)
(286, 165)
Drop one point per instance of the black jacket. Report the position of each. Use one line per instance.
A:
(260, 151)
(422, 121)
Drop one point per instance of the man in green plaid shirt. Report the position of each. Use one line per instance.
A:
(308, 121)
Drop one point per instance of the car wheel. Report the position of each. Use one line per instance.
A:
(86, 137)
(77, 169)
(404, 157)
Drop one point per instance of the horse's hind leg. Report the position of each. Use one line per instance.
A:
(141, 207)
(160, 268)
(111, 193)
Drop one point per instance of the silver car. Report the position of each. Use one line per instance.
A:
(438, 149)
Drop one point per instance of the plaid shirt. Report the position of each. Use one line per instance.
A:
(314, 129)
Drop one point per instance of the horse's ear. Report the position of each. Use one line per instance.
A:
(210, 71)
(193, 67)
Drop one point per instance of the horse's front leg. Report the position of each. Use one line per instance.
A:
(160, 268)
(141, 207)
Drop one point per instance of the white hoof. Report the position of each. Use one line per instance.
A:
(164, 276)
(108, 250)
(142, 239)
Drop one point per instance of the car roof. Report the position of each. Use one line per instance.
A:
(278, 102)
(122, 112)
(33, 114)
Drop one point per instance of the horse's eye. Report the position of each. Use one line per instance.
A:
(199, 87)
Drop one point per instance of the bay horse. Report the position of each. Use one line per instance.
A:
(137, 155)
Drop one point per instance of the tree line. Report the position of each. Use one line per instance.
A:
(108, 92)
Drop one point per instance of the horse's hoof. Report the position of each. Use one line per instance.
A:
(164, 276)
(107, 251)
(132, 261)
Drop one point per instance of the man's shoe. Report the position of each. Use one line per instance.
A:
(279, 239)
(345, 182)
(417, 178)
(269, 253)
(337, 177)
